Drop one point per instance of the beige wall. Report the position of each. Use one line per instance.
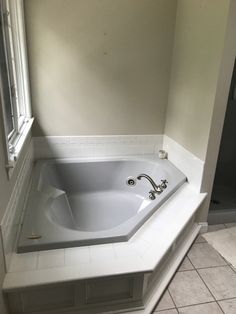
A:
(199, 39)
(99, 66)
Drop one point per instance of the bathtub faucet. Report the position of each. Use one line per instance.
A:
(157, 189)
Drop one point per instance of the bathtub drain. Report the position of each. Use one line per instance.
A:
(131, 181)
(34, 236)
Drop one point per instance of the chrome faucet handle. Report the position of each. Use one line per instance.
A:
(159, 189)
(164, 184)
(152, 195)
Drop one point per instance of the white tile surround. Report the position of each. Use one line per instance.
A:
(185, 161)
(96, 146)
(143, 251)
(120, 145)
(11, 220)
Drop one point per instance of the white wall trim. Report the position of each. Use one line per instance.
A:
(96, 146)
(185, 161)
(11, 220)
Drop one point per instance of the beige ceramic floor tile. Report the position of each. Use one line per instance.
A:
(221, 281)
(215, 227)
(199, 239)
(229, 225)
(228, 306)
(165, 302)
(187, 288)
(186, 265)
(207, 308)
(173, 311)
(203, 255)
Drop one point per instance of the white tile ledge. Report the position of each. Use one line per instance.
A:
(154, 235)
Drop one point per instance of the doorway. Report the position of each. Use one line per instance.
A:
(223, 199)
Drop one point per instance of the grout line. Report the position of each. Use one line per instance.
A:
(226, 299)
(37, 260)
(220, 307)
(210, 290)
(209, 267)
(207, 286)
(182, 307)
(186, 256)
(171, 295)
(90, 257)
(196, 269)
(166, 290)
(191, 262)
(184, 270)
(232, 267)
(197, 243)
(217, 266)
(64, 252)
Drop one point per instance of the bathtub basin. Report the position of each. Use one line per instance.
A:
(86, 202)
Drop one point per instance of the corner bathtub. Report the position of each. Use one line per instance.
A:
(74, 202)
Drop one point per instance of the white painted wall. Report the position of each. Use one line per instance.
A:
(99, 67)
(198, 46)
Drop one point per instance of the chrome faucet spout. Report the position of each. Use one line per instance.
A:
(156, 187)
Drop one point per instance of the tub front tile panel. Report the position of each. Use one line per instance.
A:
(23, 262)
(52, 258)
(77, 256)
(94, 294)
(102, 252)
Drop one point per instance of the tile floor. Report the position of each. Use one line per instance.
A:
(204, 284)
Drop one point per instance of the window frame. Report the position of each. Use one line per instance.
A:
(14, 37)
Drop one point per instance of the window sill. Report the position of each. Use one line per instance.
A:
(18, 145)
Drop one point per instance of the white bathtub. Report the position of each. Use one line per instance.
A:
(75, 202)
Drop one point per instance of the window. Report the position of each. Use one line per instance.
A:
(14, 85)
